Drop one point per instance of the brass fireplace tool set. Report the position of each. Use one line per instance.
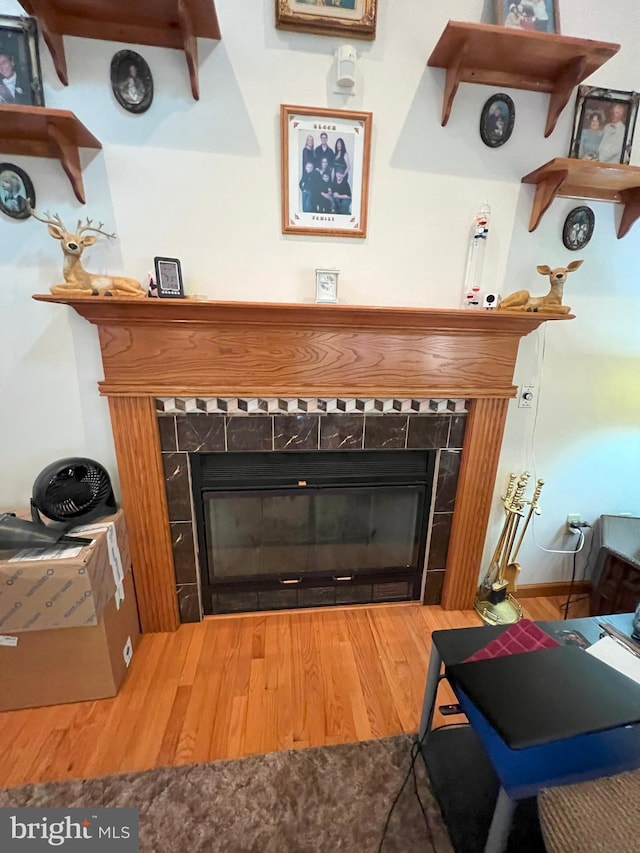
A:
(495, 601)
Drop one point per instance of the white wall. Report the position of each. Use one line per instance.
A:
(201, 181)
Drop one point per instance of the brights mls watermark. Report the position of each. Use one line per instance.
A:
(34, 830)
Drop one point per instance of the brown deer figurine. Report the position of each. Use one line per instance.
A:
(522, 300)
(79, 282)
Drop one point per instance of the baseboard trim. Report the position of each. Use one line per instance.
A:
(549, 590)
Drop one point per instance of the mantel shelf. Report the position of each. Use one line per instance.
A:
(43, 132)
(516, 59)
(586, 179)
(161, 23)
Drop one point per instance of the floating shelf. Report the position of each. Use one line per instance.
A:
(516, 59)
(586, 179)
(161, 23)
(42, 132)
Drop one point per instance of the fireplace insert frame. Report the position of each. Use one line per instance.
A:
(313, 472)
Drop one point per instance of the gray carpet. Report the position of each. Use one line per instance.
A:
(323, 800)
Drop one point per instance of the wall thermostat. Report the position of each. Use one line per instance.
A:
(169, 278)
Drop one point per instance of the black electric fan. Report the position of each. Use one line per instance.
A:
(68, 492)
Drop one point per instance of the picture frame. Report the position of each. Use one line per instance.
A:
(324, 192)
(578, 228)
(20, 73)
(327, 286)
(131, 81)
(16, 192)
(604, 124)
(497, 120)
(343, 18)
(168, 278)
(542, 16)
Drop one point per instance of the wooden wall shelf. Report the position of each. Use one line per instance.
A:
(586, 179)
(43, 132)
(516, 59)
(161, 23)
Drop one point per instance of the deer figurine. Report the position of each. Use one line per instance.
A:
(79, 282)
(522, 300)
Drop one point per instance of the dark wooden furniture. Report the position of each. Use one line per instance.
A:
(516, 59)
(586, 179)
(163, 23)
(43, 132)
(618, 588)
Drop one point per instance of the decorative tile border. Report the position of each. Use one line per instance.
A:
(307, 405)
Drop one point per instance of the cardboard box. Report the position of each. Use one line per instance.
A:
(68, 591)
(70, 664)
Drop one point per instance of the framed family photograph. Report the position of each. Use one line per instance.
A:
(16, 192)
(541, 16)
(325, 171)
(20, 74)
(497, 119)
(348, 18)
(578, 228)
(604, 124)
(131, 81)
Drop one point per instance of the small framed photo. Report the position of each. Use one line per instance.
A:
(16, 192)
(578, 228)
(327, 285)
(541, 16)
(603, 125)
(343, 18)
(497, 120)
(20, 74)
(325, 171)
(131, 81)
(168, 278)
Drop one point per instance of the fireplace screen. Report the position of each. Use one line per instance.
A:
(302, 524)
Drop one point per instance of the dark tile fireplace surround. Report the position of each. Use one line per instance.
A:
(191, 426)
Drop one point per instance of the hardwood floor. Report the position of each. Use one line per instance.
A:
(235, 685)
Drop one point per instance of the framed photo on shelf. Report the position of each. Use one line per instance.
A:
(343, 18)
(325, 158)
(20, 74)
(131, 81)
(603, 125)
(541, 16)
(16, 192)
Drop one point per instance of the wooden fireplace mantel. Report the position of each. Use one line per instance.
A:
(164, 348)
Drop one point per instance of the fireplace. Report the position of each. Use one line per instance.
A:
(309, 528)
(155, 349)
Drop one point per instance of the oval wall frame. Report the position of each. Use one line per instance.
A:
(578, 228)
(497, 120)
(131, 81)
(16, 190)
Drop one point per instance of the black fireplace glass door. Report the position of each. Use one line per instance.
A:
(318, 531)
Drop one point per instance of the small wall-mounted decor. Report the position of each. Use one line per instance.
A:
(168, 278)
(578, 228)
(603, 124)
(349, 18)
(541, 16)
(327, 285)
(131, 81)
(497, 120)
(20, 75)
(16, 191)
(325, 171)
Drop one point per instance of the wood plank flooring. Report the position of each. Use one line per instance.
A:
(235, 685)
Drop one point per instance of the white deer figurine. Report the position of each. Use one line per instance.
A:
(79, 282)
(551, 303)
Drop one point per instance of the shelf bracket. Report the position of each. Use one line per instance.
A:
(452, 81)
(52, 39)
(571, 75)
(67, 153)
(546, 190)
(190, 44)
(631, 213)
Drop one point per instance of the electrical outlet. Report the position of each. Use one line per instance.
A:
(573, 518)
(525, 398)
